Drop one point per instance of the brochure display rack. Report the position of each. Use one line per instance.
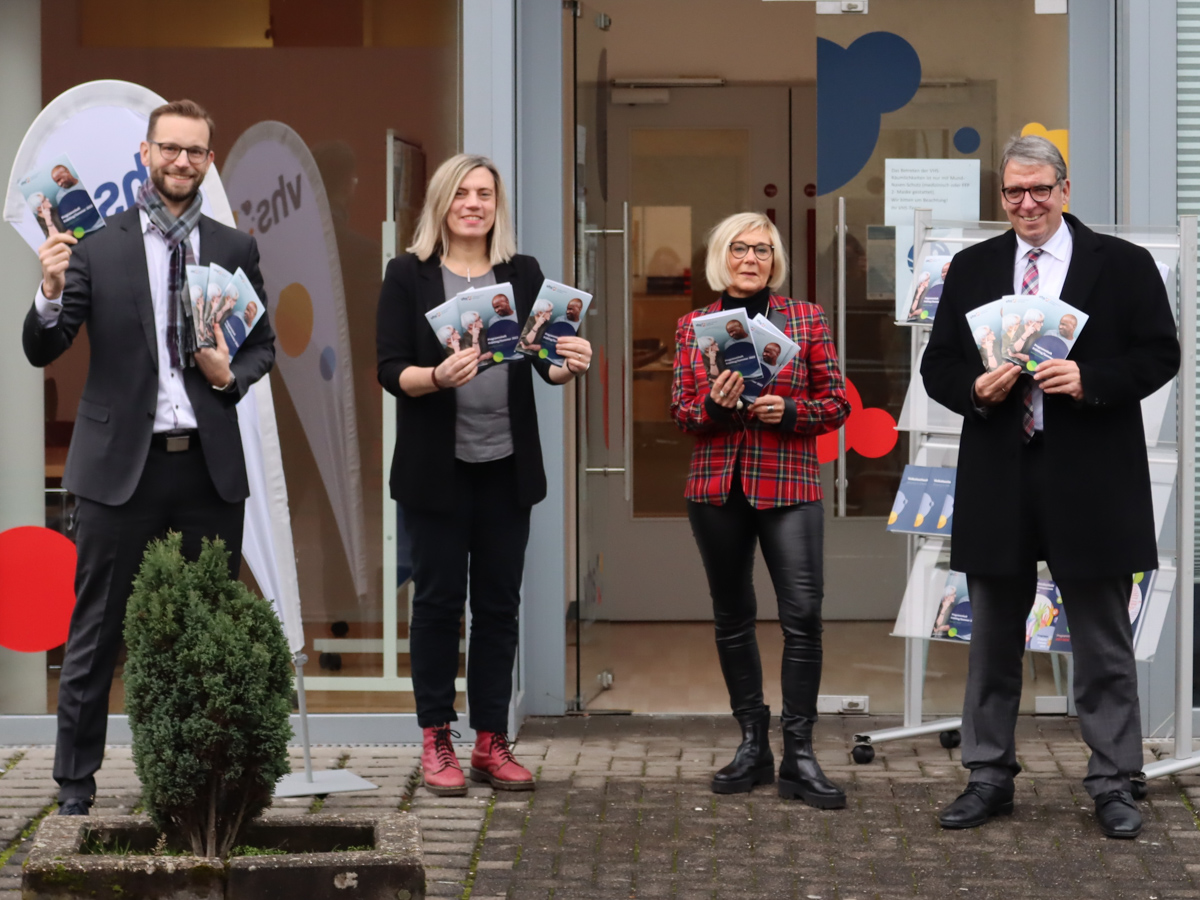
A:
(1169, 417)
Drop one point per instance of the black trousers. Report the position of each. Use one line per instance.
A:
(175, 493)
(1105, 684)
(479, 544)
(792, 539)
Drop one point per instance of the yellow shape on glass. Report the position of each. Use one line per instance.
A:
(294, 319)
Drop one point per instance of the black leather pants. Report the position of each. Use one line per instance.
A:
(792, 539)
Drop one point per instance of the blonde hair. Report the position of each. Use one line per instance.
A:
(432, 236)
(716, 266)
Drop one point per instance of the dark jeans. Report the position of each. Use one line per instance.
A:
(175, 493)
(792, 539)
(480, 542)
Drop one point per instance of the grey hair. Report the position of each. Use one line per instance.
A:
(1033, 151)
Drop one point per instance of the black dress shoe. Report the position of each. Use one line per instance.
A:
(74, 807)
(753, 763)
(1118, 815)
(978, 803)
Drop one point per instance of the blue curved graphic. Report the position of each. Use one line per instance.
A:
(878, 73)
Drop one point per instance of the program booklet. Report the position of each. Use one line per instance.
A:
(1037, 328)
(953, 619)
(557, 312)
(197, 282)
(984, 325)
(214, 292)
(60, 202)
(1046, 625)
(775, 350)
(926, 292)
(487, 319)
(243, 309)
(724, 342)
(912, 501)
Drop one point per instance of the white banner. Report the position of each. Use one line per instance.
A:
(278, 196)
(99, 125)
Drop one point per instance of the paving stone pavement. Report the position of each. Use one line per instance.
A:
(623, 810)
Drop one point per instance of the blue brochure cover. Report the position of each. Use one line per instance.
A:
(775, 351)
(724, 341)
(984, 325)
(909, 499)
(1038, 328)
(487, 320)
(953, 619)
(936, 507)
(244, 310)
(557, 312)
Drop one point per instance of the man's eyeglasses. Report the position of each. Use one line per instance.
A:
(170, 152)
(762, 251)
(1039, 192)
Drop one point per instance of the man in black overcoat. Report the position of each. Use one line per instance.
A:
(1052, 466)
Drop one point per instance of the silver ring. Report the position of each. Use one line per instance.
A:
(770, 407)
(720, 394)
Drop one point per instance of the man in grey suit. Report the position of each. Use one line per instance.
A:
(1067, 444)
(156, 445)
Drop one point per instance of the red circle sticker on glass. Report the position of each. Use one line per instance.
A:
(37, 588)
(770, 190)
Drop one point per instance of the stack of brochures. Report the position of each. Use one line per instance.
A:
(775, 350)
(224, 300)
(725, 342)
(486, 318)
(1025, 330)
(60, 202)
(924, 503)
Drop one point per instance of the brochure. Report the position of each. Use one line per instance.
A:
(775, 350)
(935, 513)
(912, 500)
(218, 278)
(488, 320)
(953, 619)
(926, 291)
(446, 322)
(1046, 626)
(1038, 328)
(197, 281)
(984, 325)
(60, 202)
(557, 312)
(724, 341)
(243, 310)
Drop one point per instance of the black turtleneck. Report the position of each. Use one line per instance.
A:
(755, 304)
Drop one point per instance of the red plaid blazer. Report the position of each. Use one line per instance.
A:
(778, 462)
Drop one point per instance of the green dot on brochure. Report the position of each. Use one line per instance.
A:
(78, 232)
(1031, 365)
(1138, 576)
(953, 632)
(498, 356)
(542, 354)
(924, 314)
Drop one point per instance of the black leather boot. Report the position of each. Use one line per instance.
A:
(799, 774)
(753, 763)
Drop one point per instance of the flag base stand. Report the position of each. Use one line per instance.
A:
(323, 781)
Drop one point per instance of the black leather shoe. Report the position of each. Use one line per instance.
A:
(800, 776)
(753, 763)
(978, 803)
(74, 807)
(1118, 815)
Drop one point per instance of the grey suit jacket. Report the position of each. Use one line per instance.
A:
(108, 289)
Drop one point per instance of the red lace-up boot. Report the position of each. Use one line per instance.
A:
(443, 775)
(492, 761)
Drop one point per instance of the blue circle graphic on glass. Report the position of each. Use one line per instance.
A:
(328, 363)
(966, 140)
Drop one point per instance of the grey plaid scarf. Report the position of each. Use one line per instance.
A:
(181, 331)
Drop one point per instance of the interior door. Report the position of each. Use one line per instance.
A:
(680, 162)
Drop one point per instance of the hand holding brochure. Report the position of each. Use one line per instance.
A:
(488, 320)
(1038, 328)
(244, 309)
(775, 350)
(224, 300)
(60, 202)
(984, 325)
(557, 312)
(724, 341)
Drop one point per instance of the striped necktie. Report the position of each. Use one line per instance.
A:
(1029, 285)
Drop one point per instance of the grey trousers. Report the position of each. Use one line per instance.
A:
(1105, 677)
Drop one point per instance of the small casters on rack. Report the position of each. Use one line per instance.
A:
(950, 739)
(862, 754)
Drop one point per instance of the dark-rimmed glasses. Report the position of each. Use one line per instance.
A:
(762, 251)
(1039, 192)
(170, 152)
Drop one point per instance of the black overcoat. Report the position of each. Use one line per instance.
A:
(423, 461)
(1099, 521)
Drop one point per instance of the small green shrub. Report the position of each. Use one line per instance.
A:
(207, 688)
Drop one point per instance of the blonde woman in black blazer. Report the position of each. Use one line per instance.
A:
(467, 467)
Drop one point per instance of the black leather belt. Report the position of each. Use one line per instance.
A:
(175, 441)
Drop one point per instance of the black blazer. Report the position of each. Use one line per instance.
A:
(1099, 521)
(108, 288)
(423, 461)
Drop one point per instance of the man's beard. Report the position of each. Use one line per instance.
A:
(159, 177)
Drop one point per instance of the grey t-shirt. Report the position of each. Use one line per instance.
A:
(483, 431)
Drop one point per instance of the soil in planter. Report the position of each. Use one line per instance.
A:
(146, 841)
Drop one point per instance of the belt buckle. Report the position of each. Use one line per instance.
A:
(178, 443)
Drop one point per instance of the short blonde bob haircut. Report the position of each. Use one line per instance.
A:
(432, 236)
(716, 266)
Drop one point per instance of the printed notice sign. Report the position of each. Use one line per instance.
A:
(949, 187)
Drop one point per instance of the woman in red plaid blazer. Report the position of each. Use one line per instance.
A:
(754, 479)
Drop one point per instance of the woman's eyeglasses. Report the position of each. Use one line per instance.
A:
(762, 251)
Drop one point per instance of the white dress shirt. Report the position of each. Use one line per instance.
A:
(173, 409)
(1052, 268)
